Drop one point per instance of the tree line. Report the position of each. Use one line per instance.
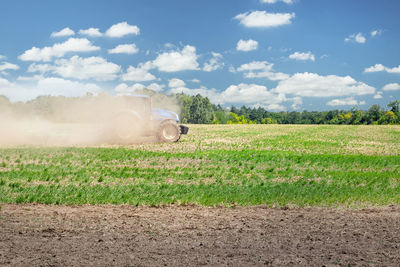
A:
(199, 110)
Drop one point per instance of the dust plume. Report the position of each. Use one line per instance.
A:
(88, 120)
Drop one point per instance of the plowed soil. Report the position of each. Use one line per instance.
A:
(40, 235)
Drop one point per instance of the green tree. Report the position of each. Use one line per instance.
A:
(185, 102)
(201, 110)
(373, 114)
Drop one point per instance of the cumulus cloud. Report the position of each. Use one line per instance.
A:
(8, 66)
(357, 38)
(64, 32)
(350, 101)
(314, 85)
(261, 69)
(185, 59)
(375, 68)
(121, 29)
(302, 56)
(139, 74)
(2, 57)
(262, 19)
(46, 86)
(380, 67)
(246, 46)
(378, 95)
(124, 88)
(156, 87)
(58, 50)
(4, 82)
(124, 49)
(92, 32)
(249, 94)
(173, 83)
(214, 63)
(274, 1)
(76, 67)
(391, 87)
(297, 102)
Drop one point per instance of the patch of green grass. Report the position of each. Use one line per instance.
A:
(216, 165)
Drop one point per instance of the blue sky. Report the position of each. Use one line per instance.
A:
(278, 54)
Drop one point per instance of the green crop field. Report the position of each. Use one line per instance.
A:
(277, 165)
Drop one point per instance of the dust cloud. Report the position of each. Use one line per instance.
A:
(84, 121)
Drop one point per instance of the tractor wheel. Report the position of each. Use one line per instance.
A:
(125, 128)
(168, 132)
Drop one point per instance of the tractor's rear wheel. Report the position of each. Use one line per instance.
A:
(169, 132)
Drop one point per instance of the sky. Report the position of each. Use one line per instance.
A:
(282, 55)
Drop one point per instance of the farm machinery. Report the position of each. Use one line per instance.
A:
(138, 118)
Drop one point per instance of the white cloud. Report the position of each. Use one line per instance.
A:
(124, 88)
(156, 87)
(274, 1)
(124, 49)
(380, 67)
(314, 85)
(30, 78)
(378, 95)
(357, 38)
(391, 87)
(41, 68)
(93, 32)
(58, 50)
(4, 82)
(256, 65)
(376, 33)
(375, 68)
(302, 56)
(297, 102)
(2, 57)
(76, 67)
(214, 63)
(47, 86)
(350, 101)
(194, 80)
(64, 32)
(8, 66)
(275, 107)
(262, 19)
(173, 83)
(173, 61)
(139, 74)
(246, 46)
(58, 86)
(121, 29)
(249, 94)
(261, 69)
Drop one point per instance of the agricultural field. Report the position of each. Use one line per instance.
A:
(224, 195)
(227, 165)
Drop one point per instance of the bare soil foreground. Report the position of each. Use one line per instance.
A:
(33, 235)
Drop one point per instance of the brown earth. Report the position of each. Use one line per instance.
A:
(41, 235)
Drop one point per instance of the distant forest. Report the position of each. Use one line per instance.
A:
(199, 110)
